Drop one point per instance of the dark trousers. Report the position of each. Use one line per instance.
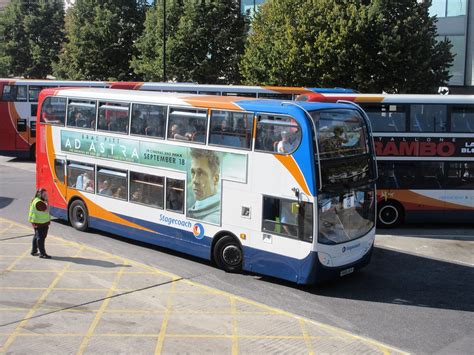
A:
(39, 239)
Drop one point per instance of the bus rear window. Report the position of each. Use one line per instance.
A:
(53, 111)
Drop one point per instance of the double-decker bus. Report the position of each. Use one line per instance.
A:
(18, 106)
(19, 102)
(260, 185)
(425, 153)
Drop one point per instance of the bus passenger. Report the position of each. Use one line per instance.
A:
(176, 133)
(120, 193)
(105, 190)
(49, 115)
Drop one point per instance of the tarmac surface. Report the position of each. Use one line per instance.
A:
(86, 300)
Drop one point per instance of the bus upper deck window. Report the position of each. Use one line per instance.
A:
(53, 111)
(17, 93)
(231, 129)
(187, 125)
(148, 120)
(113, 117)
(279, 134)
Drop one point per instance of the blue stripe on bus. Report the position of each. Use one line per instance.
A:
(255, 260)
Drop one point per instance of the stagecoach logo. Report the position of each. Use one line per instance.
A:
(198, 231)
(350, 247)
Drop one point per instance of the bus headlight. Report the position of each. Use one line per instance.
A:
(325, 259)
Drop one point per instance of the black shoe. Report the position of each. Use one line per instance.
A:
(45, 256)
(34, 253)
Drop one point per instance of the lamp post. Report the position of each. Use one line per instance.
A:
(164, 41)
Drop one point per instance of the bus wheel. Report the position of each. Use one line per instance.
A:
(78, 216)
(390, 215)
(228, 254)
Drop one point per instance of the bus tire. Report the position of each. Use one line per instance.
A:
(228, 254)
(389, 214)
(78, 215)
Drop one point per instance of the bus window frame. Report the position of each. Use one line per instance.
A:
(256, 121)
(406, 106)
(16, 92)
(178, 108)
(69, 98)
(61, 123)
(106, 103)
(165, 127)
(252, 138)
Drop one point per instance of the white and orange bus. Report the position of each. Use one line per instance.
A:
(425, 154)
(19, 101)
(258, 185)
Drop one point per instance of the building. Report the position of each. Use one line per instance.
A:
(3, 4)
(455, 22)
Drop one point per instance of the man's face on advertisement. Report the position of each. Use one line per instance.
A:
(203, 180)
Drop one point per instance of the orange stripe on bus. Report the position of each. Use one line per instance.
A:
(414, 198)
(216, 102)
(290, 164)
(369, 99)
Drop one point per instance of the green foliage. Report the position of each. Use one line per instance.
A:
(99, 39)
(31, 35)
(370, 46)
(205, 40)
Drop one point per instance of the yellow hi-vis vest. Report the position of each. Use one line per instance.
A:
(38, 217)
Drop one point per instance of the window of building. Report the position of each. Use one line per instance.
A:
(288, 218)
(113, 117)
(460, 175)
(175, 195)
(428, 118)
(386, 118)
(457, 70)
(81, 113)
(53, 110)
(146, 189)
(456, 7)
(187, 125)
(148, 120)
(112, 183)
(81, 177)
(17, 93)
(438, 8)
(231, 129)
(279, 134)
(462, 119)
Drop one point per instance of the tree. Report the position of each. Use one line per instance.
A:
(369, 46)
(205, 40)
(99, 39)
(31, 34)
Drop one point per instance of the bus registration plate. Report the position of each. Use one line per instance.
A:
(347, 271)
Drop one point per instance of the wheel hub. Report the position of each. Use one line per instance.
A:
(232, 255)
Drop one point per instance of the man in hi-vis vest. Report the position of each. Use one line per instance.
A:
(39, 218)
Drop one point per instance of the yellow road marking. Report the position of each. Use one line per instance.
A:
(38, 303)
(164, 323)
(235, 342)
(306, 337)
(100, 312)
(339, 332)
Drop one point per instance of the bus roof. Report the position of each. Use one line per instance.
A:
(388, 98)
(179, 99)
